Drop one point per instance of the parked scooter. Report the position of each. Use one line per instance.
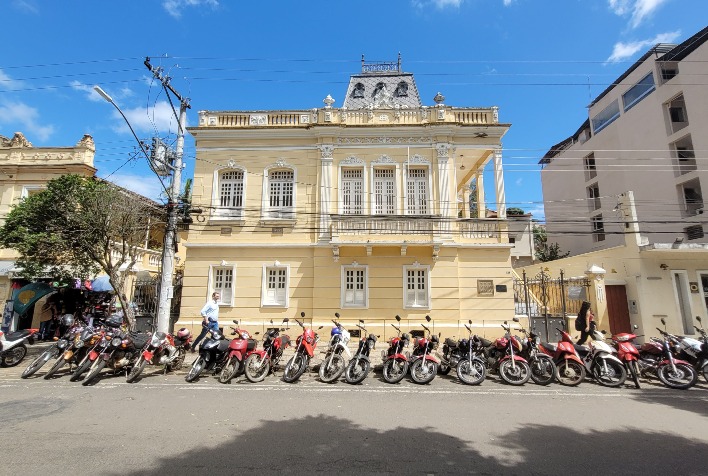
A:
(213, 354)
(161, 349)
(240, 347)
(13, 348)
(395, 362)
(695, 351)
(628, 354)
(503, 358)
(570, 369)
(304, 351)
(56, 349)
(359, 365)
(424, 366)
(543, 369)
(600, 362)
(333, 365)
(261, 361)
(467, 356)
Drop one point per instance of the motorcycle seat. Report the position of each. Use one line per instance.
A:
(581, 349)
(179, 342)
(549, 346)
(17, 335)
(451, 343)
(139, 340)
(252, 344)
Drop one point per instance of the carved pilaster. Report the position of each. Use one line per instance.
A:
(499, 182)
(326, 150)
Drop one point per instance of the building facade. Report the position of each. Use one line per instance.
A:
(645, 133)
(355, 209)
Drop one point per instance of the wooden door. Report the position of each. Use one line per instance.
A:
(618, 309)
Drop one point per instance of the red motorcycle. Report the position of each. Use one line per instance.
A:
(304, 351)
(395, 362)
(424, 367)
(569, 367)
(240, 348)
(628, 354)
(260, 362)
(501, 357)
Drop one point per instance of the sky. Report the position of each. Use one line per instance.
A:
(541, 62)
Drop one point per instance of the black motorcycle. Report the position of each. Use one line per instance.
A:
(543, 369)
(466, 356)
(359, 366)
(212, 356)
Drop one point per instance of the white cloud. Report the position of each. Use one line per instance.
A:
(175, 7)
(92, 95)
(638, 10)
(439, 4)
(7, 83)
(160, 118)
(146, 185)
(538, 212)
(19, 113)
(26, 6)
(623, 51)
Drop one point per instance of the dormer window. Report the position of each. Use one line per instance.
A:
(402, 89)
(358, 91)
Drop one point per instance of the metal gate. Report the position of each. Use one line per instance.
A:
(146, 294)
(548, 302)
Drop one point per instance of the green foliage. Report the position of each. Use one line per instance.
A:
(76, 227)
(474, 207)
(544, 251)
(513, 211)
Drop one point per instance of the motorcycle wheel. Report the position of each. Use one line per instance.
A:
(443, 369)
(95, 370)
(634, 372)
(13, 356)
(613, 377)
(570, 373)
(257, 368)
(179, 360)
(230, 370)
(136, 370)
(471, 374)
(516, 374)
(80, 370)
(357, 370)
(704, 371)
(294, 368)
(394, 370)
(543, 370)
(196, 370)
(55, 368)
(684, 377)
(38, 363)
(332, 368)
(423, 371)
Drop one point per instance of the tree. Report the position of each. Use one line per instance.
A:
(544, 251)
(474, 207)
(78, 226)
(515, 212)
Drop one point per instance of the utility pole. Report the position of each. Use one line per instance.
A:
(168, 252)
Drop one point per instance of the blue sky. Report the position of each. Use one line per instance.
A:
(541, 62)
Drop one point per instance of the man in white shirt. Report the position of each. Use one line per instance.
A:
(210, 318)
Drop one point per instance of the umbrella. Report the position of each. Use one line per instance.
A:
(101, 284)
(30, 294)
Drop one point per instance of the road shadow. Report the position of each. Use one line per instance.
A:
(328, 445)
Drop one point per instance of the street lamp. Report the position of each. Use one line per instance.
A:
(109, 99)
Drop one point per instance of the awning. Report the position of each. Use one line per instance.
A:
(30, 294)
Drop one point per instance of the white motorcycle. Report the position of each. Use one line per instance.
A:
(601, 363)
(333, 365)
(695, 351)
(13, 348)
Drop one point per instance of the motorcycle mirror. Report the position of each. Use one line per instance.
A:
(663, 321)
(320, 327)
(256, 333)
(427, 318)
(506, 323)
(470, 321)
(282, 329)
(361, 321)
(286, 320)
(698, 318)
(302, 314)
(271, 321)
(516, 319)
(635, 327)
(235, 321)
(336, 314)
(398, 318)
(603, 331)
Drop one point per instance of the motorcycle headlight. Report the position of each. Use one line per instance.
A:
(62, 343)
(309, 340)
(116, 342)
(155, 341)
(79, 344)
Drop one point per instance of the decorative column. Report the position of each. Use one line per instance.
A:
(443, 155)
(481, 207)
(499, 182)
(326, 151)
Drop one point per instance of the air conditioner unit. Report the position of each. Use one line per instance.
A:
(699, 211)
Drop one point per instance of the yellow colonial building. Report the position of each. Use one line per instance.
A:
(360, 209)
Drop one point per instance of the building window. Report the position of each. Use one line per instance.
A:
(230, 194)
(281, 191)
(605, 117)
(685, 156)
(222, 282)
(384, 192)
(352, 191)
(485, 287)
(354, 286)
(275, 286)
(417, 192)
(694, 232)
(637, 92)
(598, 228)
(29, 190)
(669, 71)
(593, 192)
(416, 287)
(692, 198)
(590, 167)
(676, 110)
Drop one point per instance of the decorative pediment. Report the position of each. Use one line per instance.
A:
(384, 159)
(418, 159)
(352, 161)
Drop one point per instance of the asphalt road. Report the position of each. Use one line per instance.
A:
(163, 425)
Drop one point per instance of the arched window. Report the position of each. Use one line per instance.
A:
(228, 197)
(280, 194)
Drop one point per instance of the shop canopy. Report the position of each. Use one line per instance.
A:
(28, 295)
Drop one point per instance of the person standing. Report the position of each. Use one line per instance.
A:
(585, 322)
(210, 318)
